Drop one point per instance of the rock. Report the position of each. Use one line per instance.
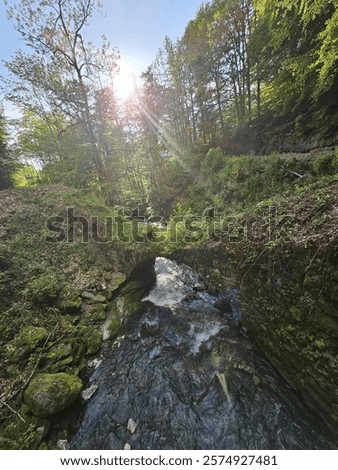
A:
(89, 392)
(107, 276)
(140, 281)
(97, 312)
(111, 328)
(87, 295)
(199, 287)
(127, 446)
(28, 339)
(223, 305)
(46, 289)
(62, 444)
(95, 363)
(93, 340)
(212, 290)
(98, 299)
(132, 426)
(48, 394)
(59, 351)
(256, 380)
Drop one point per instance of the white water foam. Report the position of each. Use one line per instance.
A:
(171, 286)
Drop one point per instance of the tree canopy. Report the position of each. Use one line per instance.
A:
(246, 76)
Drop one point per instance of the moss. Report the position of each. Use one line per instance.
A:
(98, 299)
(312, 281)
(46, 288)
(69, 300)
(64, 365)
(59, 351)
(96, 312)
(114, 327)
(320, 343)
(295, 312)
(28, 339)
(48, 394)
(23, 435)
(93, 340)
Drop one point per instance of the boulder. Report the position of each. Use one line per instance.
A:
(98, 299)
(48, 394)
(27, 340)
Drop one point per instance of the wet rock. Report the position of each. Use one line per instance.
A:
(256, 380)
(62, 444)
(89, 392)
(212, 289)
(199, 287)
(48, 394)
(132, 426)
(223, 305)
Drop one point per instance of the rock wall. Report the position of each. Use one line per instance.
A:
(291, 309)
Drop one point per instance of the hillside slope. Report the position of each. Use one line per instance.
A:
(54, 300)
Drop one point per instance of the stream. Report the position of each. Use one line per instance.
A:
(185, 376)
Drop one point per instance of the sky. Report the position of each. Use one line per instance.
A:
(135, 27)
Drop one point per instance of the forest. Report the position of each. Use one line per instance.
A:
(247, 77)
(219, 171)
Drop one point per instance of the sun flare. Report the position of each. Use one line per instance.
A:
(125, 82)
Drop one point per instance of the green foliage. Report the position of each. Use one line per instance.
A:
(46, 289)
(325, 164)
(241, 182)
(25, 175)
(6, 165)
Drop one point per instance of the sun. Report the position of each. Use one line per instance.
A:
(124, 82)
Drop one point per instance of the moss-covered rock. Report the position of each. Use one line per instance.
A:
(69, 300)
(46, 289)
(48, 394)
(93, 340)
(59, 351)
(98, 299)
(96, 312)
(26, 341)
(24, 434)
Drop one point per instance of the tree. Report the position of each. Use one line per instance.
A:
(5, 164)
(62, 75)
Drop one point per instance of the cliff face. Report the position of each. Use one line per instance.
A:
(292, 312)
(290, 293)
(286, 264)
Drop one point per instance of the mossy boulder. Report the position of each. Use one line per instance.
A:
(46, 289)
(59, 358)
(48, 394)
(98, 299)
(97, 312)
(27, 340)
(69, 300)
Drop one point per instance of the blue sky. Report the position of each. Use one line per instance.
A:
(136, 27)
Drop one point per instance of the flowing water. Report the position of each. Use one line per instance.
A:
(184, 377)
